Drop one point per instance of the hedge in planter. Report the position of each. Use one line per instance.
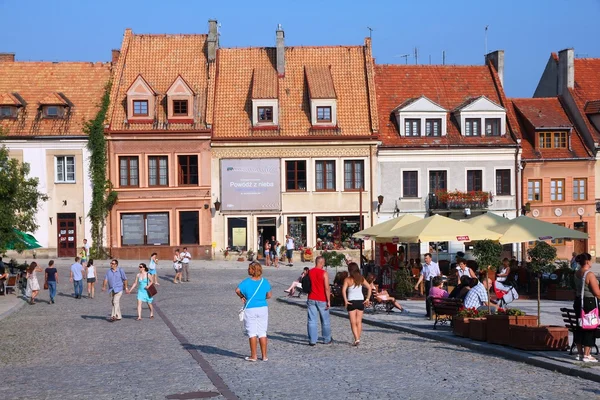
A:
(498, 324)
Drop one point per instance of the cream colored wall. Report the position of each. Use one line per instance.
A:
(16, 154)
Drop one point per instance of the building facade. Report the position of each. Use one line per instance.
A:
(43, 109)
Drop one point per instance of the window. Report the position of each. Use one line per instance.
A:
(140, 108)
(297, 230)
(128, 172)
(295, 175)
(7, 112)
(354, 174)
(534, 190)
(145, 229)
(412, 127)
(474, 181)
(325, 175)
(433, 127)
(265, 114)
(180, 107)
(410, 183)
(52, 112)
(472, 127)
(579, 189)
(503, 182)
(549, 140)
(437, 181)
(189, 227)
(323, 114)
(558, 242)
(492, 127)
(158, 171)
(65, 169)
(545, 140)
(188, 170)
(560, 140)
(336, 232)
(557, 189)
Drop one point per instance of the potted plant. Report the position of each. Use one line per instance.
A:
(487, 253)
(307, 254)
(250, 255)
(460, 322)
(333, 259)
(542, 256)
(403, 283)
(498, 325)
(478, 326)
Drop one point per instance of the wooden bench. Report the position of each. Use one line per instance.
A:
(444, 310)
(570, 320)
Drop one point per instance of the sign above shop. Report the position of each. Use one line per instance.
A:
(250, 185)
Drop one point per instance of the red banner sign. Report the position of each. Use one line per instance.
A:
(462, 238)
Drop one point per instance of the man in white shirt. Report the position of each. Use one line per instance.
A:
(289, 249)
(430, 270)
(87, 246)
(185, 263)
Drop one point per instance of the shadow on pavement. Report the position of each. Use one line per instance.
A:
(211, 350)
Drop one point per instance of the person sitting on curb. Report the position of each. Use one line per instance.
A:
(297, 284)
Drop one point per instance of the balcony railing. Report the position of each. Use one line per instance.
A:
(458, 200)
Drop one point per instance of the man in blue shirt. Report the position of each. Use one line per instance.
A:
(116, 280)
(76, 277)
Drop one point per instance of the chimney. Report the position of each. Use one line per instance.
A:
(497, 60)
(115, 55)
(280, 51)
(566, 70)
(213, 40)
(7, 57)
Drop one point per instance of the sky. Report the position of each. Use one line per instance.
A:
(527, 30)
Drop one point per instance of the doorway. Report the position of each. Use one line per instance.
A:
(237, 233)
(267, 227)
(580, 246)
(67, 234)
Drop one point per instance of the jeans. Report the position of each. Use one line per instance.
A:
(78, 287)
(318, 308)
(52, 289)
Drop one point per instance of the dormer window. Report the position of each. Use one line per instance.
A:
(472, 127)
(9, 105)
(492, 127)
(433, 127)
(8, 112)
(51, 112)
(323, 99)
(141, 100)
(180, 101)
(324, 114)
(481, 117)
(552, 140)
(420, 117)
(54, 105)
(412, 127)
(265, 114)
(140, 108)
(180, 108)
(265, 102)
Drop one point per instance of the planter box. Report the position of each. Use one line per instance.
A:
(478, 329)
(242, 259)
(498, 326)
(460, 326)
(554, 293)
(539, 337)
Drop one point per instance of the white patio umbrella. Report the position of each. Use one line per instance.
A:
(385, 226)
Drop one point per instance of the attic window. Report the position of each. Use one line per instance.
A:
(180, 107)
(265, 114)
(140, 108)
(8, 112)
(473, 127)
(549, 140)
(324, 114)
(492, 127)
(52, 112)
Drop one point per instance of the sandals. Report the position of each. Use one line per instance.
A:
(138, 319)
(250, 359)
(152, 317)
(356, 343)
(589, 359)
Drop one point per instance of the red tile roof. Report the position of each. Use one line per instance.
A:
(449, 86)
(539, 114)
(320, 83)
(348, 70)
(160, 59)
(9, 99)
(592, 107)
(81, 83)
(264, 83)
(587, 88)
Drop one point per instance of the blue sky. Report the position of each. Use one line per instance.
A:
(528, 30)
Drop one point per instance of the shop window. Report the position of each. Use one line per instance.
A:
(335, 233)
(237, 233)
(145, 229)
(189, 227)
(297, 230)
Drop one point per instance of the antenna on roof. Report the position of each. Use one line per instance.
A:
(405, 56)
(370, 32)
(416, 56)
(485, 39)
(430, 59)
(443, 57)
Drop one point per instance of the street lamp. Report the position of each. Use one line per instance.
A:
(379, 202)
(217, 205)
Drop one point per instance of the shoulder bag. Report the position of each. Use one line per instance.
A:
(151, 289)
(588, 321)
(241, 312)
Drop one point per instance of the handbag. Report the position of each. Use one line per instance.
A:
(45, 285)
(588, 321)
(151, 289)
(241, 312)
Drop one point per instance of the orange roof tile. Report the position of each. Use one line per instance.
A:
(320, 84)
(592, 107)
(587, 87)
(449, 86)
(546, 113)
(232, 116)
(82, 83)
(160, 59)
(9, 99)
(264, 83)
(53, 99)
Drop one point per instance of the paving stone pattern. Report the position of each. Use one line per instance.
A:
(69, 351)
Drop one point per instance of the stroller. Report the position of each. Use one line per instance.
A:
(505, 298)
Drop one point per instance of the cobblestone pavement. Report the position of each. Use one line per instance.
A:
(69, 351)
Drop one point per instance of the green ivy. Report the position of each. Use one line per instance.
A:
(103, 197)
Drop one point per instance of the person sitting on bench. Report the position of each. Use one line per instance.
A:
(461, 290)
(436, 290)
(297, 284)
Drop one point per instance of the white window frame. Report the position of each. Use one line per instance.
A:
(265, 103)
(57, 161)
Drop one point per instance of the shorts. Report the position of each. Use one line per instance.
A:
(356, 305)
(91, 280)
(256, 321)
(289, 253)
(273, 254)
(152, 271)
(267, 254)
(177, 267)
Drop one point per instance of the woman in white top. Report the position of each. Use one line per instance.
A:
(177, 265)
(354, 300)
(463, 270)
(90, 273)
(503, 276)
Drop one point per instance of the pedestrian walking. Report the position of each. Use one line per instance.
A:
(267, 253)
(289, 250)
(116, 280)
(273, 245)
(83, 256)
(87, 246)
(587, 293)
(33, 286)
(318, 303)
(430, 269)
(76, 277)
(152, 268)
(177, 266)
(185, 264)
(143, 279)
(254, 292)
(354, 299)
(51, 279)
(90, 273)
(276, 254)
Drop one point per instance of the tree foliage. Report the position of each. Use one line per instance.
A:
(103, 197)
(19, 201)
(542, 257)
(487, 252)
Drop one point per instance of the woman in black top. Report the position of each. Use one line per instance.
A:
(51, 279)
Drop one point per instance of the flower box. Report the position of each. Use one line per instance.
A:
(477, 329)
(241, 259)
(460, 326)
(498, 326)
(539, 337)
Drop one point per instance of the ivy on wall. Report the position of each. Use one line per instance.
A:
(103, 197)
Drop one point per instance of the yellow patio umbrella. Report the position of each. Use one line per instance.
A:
(386, 226)
(486, 221)
(437, 229)
(527, 229)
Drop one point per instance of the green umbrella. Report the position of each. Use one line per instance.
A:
(29, 241)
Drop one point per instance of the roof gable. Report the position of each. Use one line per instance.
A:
(54, 99)
(180, 87)
(9, 99)
(480, 104)
(140, 87)
(422, 104)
